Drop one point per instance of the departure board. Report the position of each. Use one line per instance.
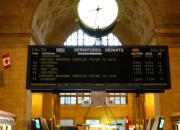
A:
(127, 68)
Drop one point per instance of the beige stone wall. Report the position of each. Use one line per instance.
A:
(48, 105)
(37, 99)
(169, 101)
(14, 97)
(149, 105)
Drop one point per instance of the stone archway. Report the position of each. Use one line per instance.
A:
(54, 20)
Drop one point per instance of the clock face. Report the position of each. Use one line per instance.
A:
(97, 14)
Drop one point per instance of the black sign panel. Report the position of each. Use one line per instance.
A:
(135, 68)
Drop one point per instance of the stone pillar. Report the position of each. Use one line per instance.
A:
(167, 103)
(139, 111)
(50, 108)
(47, 105)
(14, 97)
(37, 99)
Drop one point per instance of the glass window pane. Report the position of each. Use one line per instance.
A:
(88, 41)
(123, 100)
(87, 98)
(107, 100)
(117, 100)
(62, 100)
(66, 122)
(104, 41)
(69, 41)
(91, 121)
(120, 121)
(79, 38)
(73, 100)
(111, 98)
(74, 39)
(79, 100)
(67, 100)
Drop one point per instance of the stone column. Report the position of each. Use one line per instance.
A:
(167, 103)
(14, 97)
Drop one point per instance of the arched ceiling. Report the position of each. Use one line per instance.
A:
(53, 20)
(16, 13)
(166, 13)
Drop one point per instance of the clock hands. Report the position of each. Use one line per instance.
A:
(98, 8)
(97, 11)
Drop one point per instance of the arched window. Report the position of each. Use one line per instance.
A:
(79, 38)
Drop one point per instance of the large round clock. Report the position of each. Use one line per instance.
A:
(97, 17)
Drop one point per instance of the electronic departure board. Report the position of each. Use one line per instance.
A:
(135, 68)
